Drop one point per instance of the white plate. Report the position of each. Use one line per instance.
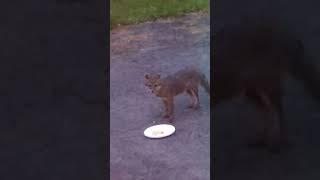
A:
(159, 131)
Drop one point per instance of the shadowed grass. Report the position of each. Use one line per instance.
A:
(134, 11)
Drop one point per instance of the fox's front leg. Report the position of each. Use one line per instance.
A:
(166, 107)
(169, 109)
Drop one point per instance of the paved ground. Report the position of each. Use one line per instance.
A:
(233, 120)
(164, 46)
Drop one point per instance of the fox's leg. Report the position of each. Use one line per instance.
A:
(189, 92)
(277, 134)
(166, 106)
(271, 128)
(273, 134)
(270, 107)
(261, 123)
(170, 108)
(195, 94)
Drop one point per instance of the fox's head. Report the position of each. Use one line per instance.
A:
(152, 81)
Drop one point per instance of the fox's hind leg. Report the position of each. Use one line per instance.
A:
(192, 90)
(274, 126)
(261, 123)
(189, 92)
(195, 93)
(277, 134)
(271, 128)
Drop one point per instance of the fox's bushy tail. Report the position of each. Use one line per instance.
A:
(305, 71)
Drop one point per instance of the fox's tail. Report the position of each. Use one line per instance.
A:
(305, 71)
(205, 83)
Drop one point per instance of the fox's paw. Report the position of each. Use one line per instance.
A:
(166, 116)
(190, 106)
(170, 119)
(196, 107)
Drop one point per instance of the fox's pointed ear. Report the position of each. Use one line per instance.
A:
(146, 76)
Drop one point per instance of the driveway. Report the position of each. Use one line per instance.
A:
(164, 46)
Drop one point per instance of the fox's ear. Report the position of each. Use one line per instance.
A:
(146, 76)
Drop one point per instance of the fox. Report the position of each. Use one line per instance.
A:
(185, 80)
(252, 59)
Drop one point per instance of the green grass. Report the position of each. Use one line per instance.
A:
(135, 11)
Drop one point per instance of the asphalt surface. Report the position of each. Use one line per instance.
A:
(164, 46)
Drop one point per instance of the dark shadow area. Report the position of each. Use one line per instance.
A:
(53, 90)
(234, 120)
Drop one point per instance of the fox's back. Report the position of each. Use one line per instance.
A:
(187, 74)
(178, 81)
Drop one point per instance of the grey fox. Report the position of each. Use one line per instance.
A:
(185, 80)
